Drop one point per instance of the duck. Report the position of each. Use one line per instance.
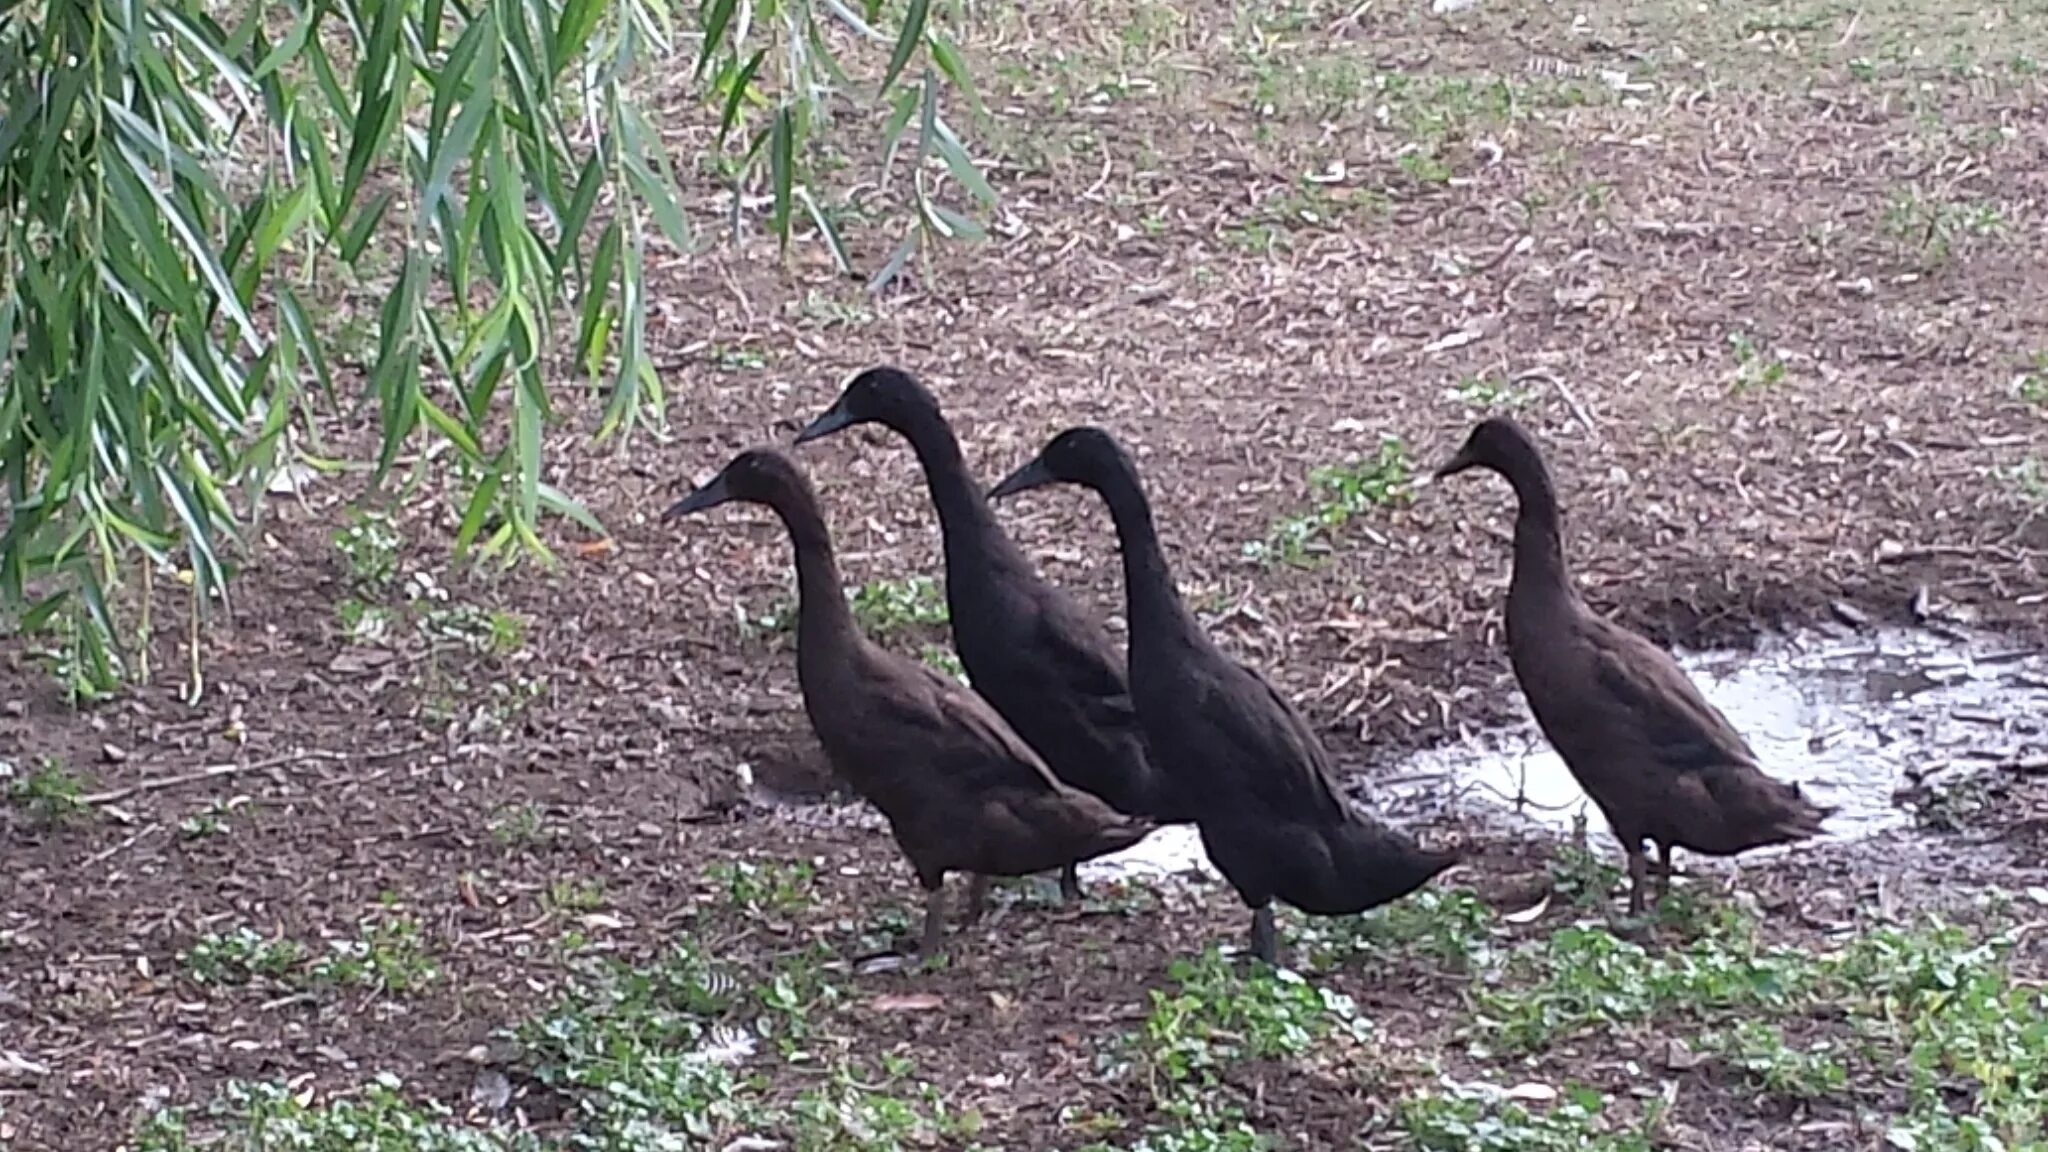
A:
(961, 791)
(1663, 765)
(1041, 659)
(1267, 810)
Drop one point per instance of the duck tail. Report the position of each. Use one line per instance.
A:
(1126, 832)
(1798, 816)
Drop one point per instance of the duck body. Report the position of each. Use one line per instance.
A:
(961, 791)
(1662, 763)
(1044, 662)
(1270, 817)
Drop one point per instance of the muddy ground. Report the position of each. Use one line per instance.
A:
(1767, 283)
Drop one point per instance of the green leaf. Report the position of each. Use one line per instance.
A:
(729, 116)
(906, 42)
(284, 219)
(714, 33)
(572, 32)
(826, 230)
(782, 168)
(358, 236)
(895, 266)
(948, 58)
(962, 166)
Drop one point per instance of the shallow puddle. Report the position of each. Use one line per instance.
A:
(1854, 719)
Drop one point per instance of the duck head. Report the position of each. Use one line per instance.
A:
(880, 395)
(756, 476)
(1082, 455)
(1496, 443)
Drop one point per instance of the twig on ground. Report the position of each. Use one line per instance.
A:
(104, 855)
(1564, 392)
(220, 771)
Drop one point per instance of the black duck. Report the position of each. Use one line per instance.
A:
(1270, 818)
(1039, 657)
(1662, 763)
(961, 791)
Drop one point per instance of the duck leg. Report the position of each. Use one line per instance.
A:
(1070, 883)
(977, 897)
(1638, 864)
(934, 920)
(1265, 937)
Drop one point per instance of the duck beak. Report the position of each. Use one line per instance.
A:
(710, 495)
(832, 420)
(1032, 475)
(1453, 466)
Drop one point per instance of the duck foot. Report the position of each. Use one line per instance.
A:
(1070, 884)
(1265, 937)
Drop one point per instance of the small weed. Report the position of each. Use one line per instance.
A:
(237, 957)
(2031, 386)
(884, 606)
(1759, 1050)
(1342, 492)
(1469, 1120)
(51, 794)
(778, 619)
(571, 895)
(1952, 805)
(945, 660)
(768, 886)
(209, 821)
(858, 1112)
(1450, 927)
(795, 995)
(368, 543)
(1755, 367)
(486, 632)
(1256, 236)
(362, 622)
(832, 311)
(389, 954)
(1490, 394)
(518, 825)
(1424, 167)
(738, 359)
(286, 1116)
(1216, 1016)
(2029, 478)
(1933, 227)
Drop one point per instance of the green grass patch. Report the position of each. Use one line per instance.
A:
(1340, 493)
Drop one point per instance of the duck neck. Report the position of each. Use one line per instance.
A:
(1155, 606)
(1540, 569)
(965, 519)
(821, 614)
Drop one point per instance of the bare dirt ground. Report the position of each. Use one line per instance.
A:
(1765, 278)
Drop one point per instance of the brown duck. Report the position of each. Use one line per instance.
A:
(1270, 818)
(961, 791)
(1662, 763)
(1042, 660)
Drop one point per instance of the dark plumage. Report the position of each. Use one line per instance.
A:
(1039, 657)
(961, 791)
(1270, 818)
(1662, 763)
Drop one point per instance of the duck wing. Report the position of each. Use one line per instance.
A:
(980, 741)
(1085, 668)
(1290, 767)
(1651, 697)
